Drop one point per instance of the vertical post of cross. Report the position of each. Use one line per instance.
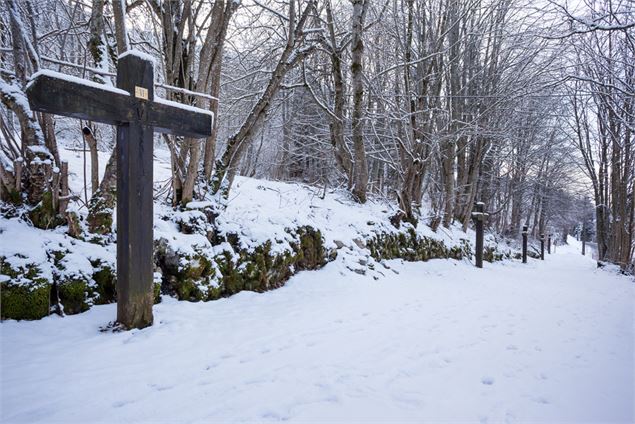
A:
(134, 197)
(479, 217)
(525, 244)
(542, 247)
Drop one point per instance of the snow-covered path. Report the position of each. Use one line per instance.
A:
(440, 341)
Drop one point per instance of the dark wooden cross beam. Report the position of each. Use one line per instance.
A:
(137, 114)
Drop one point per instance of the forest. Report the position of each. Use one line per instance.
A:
(525, 106)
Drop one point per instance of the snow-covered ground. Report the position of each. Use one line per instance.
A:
(550, 341)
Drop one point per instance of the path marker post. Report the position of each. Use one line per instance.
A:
(479, 217)
(542, 247)
(525, 229)
(583, 247)
(132, 107)
(549, 244)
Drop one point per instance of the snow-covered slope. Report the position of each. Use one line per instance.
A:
(256, 213)
(260, 210)
(548, 341)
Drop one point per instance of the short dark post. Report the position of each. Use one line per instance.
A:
(542, 247)
(134, 200)
(479, 217)
(525, 244)
(549, 244)
(583, 247)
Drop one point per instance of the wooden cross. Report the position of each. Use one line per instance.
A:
(137, 114)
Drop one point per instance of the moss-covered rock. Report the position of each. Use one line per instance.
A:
(22, 301)
(157, 292)
(73, 294)
(310, 253)
(13, 197)
(408, 245)
(100, 215)
(493, 254)
(105, 287)
(195, 277)
(24, 292)
(44, 215)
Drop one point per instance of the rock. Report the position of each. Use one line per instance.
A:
(199, 277)
(44, 216)
(360, 243)
(18, 301)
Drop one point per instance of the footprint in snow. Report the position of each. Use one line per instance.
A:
(488, 381)
(122, 403)
(159, 388)
(512, 347)
(542, 400)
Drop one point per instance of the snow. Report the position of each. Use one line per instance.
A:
(550, 341)
(13, 89)
(76, 80)
(183, 106)
(137, 53)
(31, 246)
(260, 210)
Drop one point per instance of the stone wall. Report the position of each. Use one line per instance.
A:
(199, 277)
(27, 294)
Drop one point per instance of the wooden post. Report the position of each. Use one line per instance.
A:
(549, 244)
(55, 189)
(583, 247)
(525, 244)
(479, 217)
(542, 247)
(94, 158)
(134, 198)
(17, 167)
(64, 190)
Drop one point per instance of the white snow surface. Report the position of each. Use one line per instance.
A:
(550, 341)
(138, 53)
(258, 209)
(183, 106)
(77, 80)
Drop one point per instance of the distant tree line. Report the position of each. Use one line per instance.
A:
(435, 104)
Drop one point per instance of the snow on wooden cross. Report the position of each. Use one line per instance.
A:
(135, 111)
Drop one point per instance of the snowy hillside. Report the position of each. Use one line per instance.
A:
(267, 232)
(549, 341)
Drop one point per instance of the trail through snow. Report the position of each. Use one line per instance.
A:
(549, 341)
